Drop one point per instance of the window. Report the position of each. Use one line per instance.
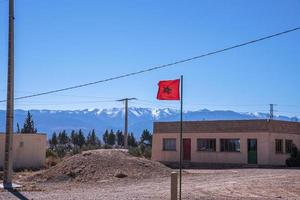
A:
(230, 145)
(169, 144)
(288, 146)
(206, 144)
(278, 146)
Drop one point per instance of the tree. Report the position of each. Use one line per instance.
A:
(105, 137)
(28, 126)
(111, 138)
(63, 138)
(81, 138)
(74, 138)
(18, 128)
(92, 139)
(120, 138)
(146, 138)
(131, 140)
(53, 140)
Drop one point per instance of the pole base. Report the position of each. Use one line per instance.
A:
(9, 186)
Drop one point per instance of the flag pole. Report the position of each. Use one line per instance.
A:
(181, 108)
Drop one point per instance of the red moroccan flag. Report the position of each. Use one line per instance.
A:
(168, 90)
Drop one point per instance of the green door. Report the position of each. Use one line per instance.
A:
(252, 151)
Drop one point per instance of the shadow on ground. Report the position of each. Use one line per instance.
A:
(17, 194)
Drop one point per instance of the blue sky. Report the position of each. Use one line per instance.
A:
(60, 43)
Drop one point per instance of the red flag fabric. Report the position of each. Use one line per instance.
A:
(168, 90)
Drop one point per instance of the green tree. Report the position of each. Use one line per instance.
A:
(74, 138)
(111, 138)
(105, 137)
(131, 140)
(18, 128)
(81, 138)
(63, 138)
(120, 138)
(28, 126)
(146, 138)
(92, 139)
(53, 141)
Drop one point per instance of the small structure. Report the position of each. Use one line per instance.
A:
(29, 150)
(258, 142)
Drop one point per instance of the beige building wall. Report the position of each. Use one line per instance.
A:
(265, 148)
(29, 150)
(279, 158)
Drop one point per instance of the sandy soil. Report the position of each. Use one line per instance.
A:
(198, 184)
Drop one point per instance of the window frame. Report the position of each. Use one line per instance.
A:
(164, 144)
(209, 140)
(279, 147)
(229, 149)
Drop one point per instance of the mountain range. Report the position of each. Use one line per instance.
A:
(48, 121)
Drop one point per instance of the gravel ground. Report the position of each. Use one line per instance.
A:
(198, 184)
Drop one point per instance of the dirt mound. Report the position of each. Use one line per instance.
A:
(99, 165)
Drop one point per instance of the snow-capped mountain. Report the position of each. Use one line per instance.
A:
(48, 121)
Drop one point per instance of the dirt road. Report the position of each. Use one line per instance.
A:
(198, 184)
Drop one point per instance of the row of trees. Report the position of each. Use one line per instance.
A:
(76, 138)
(110, 139)
(62, 143)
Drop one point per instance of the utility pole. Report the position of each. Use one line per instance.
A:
(272, 111)
(8, 155)
(126, 120)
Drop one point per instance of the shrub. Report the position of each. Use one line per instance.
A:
(106, 146)
(140, 151)
(294, 160)
(135, 151)
(148, 152)
(51, 153)
(75, 150)
(90, 147)
(61, 150)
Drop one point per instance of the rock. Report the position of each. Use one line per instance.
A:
(120, 175)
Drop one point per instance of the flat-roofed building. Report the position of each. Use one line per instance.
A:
(29, 150)
(261, 142)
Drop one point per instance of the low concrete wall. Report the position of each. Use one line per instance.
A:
(29, 150)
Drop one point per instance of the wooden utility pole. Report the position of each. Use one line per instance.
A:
(126, 120)
(8, 162)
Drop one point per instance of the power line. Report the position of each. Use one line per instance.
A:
(161, 66)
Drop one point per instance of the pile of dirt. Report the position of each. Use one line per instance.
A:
(99, 165)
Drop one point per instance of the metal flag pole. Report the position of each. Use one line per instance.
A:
(181, 108)
(8, 162)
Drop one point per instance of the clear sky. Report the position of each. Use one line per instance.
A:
(60, 43)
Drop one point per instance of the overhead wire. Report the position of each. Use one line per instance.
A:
(159, 67)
